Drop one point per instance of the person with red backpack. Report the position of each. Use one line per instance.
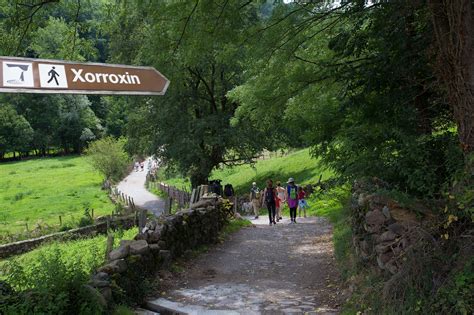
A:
(270, 199)
(292, 198)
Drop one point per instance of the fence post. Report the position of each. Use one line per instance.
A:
(60, 221)
(193, 196)
(110, 245)
(142, 220)
(235, 204)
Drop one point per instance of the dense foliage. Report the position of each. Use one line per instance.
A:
(53, 278)
(357, 85)
(108, 156)
(73, 30)
(201, 52)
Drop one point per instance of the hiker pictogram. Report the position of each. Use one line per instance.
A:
(53, 75)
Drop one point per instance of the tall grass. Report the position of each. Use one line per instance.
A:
(52, 278)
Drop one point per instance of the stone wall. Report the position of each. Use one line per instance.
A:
(21, 247)
(130, 265)
(383, 230)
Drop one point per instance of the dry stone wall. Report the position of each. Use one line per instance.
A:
(130, 265)
(383, 230)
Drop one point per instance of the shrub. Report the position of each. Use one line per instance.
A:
(51, 285)
(108, 156)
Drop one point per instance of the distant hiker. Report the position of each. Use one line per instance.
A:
(228, 191)
(302, 204)
(270, 199)
(292, 198)
(280, 200)
(142, 166)
(137, 166)
(255, 198)
(215, 186)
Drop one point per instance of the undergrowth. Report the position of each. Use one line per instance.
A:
(51, 279)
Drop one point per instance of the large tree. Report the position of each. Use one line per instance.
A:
(453, 25)
(200, 50)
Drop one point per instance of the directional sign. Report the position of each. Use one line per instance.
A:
(24, 75)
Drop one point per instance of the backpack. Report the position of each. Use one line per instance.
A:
(292, 192)
(269, 195)
(228, 190)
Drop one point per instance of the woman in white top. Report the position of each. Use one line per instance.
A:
(281, 199)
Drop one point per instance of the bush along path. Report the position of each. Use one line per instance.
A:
(286, 268)
(134, 186)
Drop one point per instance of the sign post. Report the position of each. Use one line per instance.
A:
(24, 75)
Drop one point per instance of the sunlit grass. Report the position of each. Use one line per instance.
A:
(38, 191)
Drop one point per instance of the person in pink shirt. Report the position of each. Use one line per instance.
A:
(292, 198)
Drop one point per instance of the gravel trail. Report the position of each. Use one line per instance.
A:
(282, 269)
(134, 186)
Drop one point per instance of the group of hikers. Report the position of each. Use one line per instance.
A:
(276, 197)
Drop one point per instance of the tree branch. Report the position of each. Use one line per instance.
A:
(186, 25)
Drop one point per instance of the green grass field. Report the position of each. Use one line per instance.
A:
(38, 191)
(299, 165)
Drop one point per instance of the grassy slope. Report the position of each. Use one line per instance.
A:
(299, 165)
(90, 251)
(40, 190)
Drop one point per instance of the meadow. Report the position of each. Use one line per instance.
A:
(299, 165)
(34, 193)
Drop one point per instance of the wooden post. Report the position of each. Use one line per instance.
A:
(141, 220)
(235, 205)
(110, 245)
(60, 221)
(193, 196)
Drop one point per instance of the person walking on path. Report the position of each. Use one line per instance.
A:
(302, 204)
(292, 198)
(280, 200)
(270, 200)
(255, 198)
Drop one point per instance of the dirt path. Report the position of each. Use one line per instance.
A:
(287, 268)
(134, 186)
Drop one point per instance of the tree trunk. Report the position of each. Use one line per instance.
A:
(453, 26)
(198, 178)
